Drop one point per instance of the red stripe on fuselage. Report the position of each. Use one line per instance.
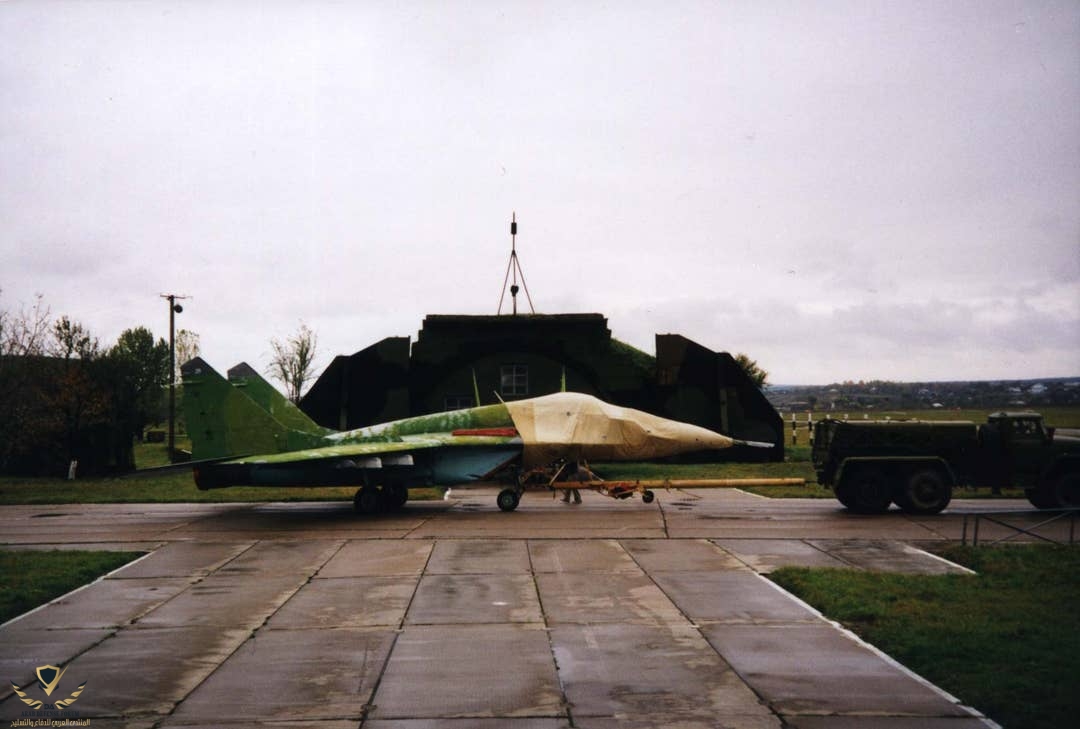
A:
(492, 432)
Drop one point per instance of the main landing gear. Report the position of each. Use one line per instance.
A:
(375, 499)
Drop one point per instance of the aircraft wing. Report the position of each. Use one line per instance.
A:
(433, 459)
(344, 451)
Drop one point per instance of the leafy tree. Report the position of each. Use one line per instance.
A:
(63, 399)
(293, 361)
(139, 371)
(76, 398)
(71, 339)
(759, 376)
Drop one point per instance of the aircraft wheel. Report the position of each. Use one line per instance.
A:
(395, 495)
(648, 496)
(508, 499)
(366, 500)
(926, 492)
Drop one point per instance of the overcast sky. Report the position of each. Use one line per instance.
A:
(841, 190)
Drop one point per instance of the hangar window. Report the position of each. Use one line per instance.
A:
(458, 402)
(515, 380)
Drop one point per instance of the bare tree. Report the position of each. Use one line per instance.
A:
(293, 361)
(25, 333)
(25, 417)
(187, 348)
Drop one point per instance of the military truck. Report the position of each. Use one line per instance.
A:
(915, 464)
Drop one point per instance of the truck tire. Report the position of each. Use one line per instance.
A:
(1040, 497)
(1067, 490)
(926, 491)
(865, 490)
(844, 496)
(1060, 492)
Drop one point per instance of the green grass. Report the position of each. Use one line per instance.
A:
(1004, 641)
(1060, 416)
(29, 578)
(153, 455)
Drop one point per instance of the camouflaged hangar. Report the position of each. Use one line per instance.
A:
(457, 359)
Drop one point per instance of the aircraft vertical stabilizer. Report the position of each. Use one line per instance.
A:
(244, 377)
(223, 421)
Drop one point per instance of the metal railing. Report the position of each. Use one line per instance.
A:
(1026, 528)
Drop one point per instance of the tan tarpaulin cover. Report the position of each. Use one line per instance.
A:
(573, 425)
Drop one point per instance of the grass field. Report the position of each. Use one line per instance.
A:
(1004, 640)
(1061, 417)
(29, 578)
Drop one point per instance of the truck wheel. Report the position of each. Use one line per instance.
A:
(843, 494)
(1067, 489)
(1040, 497)
(927, 491)
(868, 491)
(1062, 492)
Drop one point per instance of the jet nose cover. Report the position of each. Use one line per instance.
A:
(577, 426)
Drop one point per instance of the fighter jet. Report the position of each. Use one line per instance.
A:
(245, 433)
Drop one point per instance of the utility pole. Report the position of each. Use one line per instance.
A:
(174, 309)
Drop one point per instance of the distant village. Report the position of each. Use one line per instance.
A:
(884, 395)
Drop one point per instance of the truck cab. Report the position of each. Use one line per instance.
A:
(1046, 464)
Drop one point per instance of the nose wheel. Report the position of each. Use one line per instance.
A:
(508, 499)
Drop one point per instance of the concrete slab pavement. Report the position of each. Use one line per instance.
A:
(452, 614)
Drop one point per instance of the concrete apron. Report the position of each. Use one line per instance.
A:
(587, 616)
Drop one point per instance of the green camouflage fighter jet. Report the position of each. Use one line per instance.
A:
(245, 433)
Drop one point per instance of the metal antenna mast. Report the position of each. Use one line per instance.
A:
(513, 268)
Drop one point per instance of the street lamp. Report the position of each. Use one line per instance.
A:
(174, 309)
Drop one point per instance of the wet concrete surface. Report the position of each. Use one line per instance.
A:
(453, 614)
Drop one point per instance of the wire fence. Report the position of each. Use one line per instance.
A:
(1056, 526)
